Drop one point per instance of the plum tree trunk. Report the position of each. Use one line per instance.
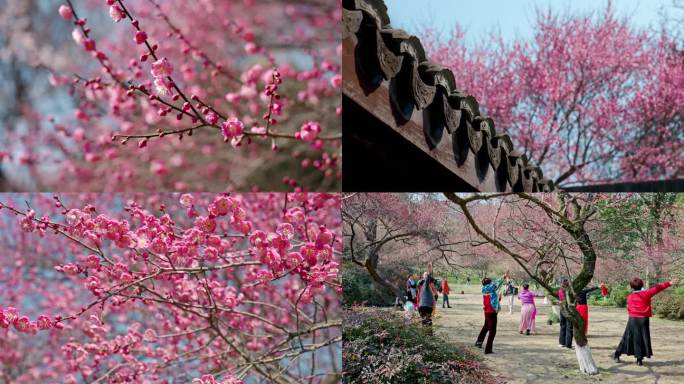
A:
(582, 349)
(585, 360)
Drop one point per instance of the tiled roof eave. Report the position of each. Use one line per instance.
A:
(389, 54)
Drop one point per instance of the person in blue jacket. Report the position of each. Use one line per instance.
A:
(491, 306)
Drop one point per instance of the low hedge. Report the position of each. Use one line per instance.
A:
(358, 287)
(379, 346)
(679, 291)
(617, 297)
(668, 306)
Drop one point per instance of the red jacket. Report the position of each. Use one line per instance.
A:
(487, 302)
(445, 287)
(639, 303)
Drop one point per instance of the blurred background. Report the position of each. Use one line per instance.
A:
(59, 110)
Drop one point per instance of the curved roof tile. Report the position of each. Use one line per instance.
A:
(394, 55)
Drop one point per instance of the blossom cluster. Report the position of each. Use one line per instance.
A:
(130, 288)
(178, 88)
(10, 317)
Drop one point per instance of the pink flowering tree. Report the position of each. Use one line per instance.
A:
(196, 288)
(589, 97)
(381, 229)
(179, 95)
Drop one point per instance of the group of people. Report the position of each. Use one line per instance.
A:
(636, 340)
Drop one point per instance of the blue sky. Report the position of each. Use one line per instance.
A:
(511, 17)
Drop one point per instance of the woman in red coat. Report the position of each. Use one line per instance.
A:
(636, 341)
(604, 291)
(445, 293)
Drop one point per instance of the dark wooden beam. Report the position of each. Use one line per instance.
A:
(675, 185)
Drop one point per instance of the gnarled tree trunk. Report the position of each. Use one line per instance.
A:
(582, 349)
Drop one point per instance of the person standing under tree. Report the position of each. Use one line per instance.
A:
(565, 337)
(510, 293)
(436, 290)
(427, 299)
(411, 288)
(445, 293)
(636, 341)
(582, 307)
(490, 300)
(528, 310)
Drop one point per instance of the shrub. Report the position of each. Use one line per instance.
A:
(619, 294)
(598, 300)
(379, 347)
(669, 306)
(359, 287)
(679, 291)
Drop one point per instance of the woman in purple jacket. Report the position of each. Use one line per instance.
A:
(528, 311)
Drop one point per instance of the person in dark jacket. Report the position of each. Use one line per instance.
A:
(510, 292)
(565, 337)
(636, 341)
(427, 293)
(491, 306)
(411, 288)
(582, 307)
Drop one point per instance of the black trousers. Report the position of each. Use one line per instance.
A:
(488, 327)
(426, 315)
(565, 337)
(445, 300)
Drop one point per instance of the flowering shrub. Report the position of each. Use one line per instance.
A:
(187, 95)
(211, 288)
(379, 348)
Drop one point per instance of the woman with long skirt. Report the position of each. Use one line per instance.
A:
(528, 310)
(636, 341)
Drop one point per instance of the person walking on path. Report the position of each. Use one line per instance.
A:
(636, 341)
(490, 300)
(445, 293)
(467, 281)
(510, 294)
(582, 307)
(528, 310)
(565, 337)
(427, 299)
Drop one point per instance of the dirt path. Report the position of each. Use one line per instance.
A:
(538, 359)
